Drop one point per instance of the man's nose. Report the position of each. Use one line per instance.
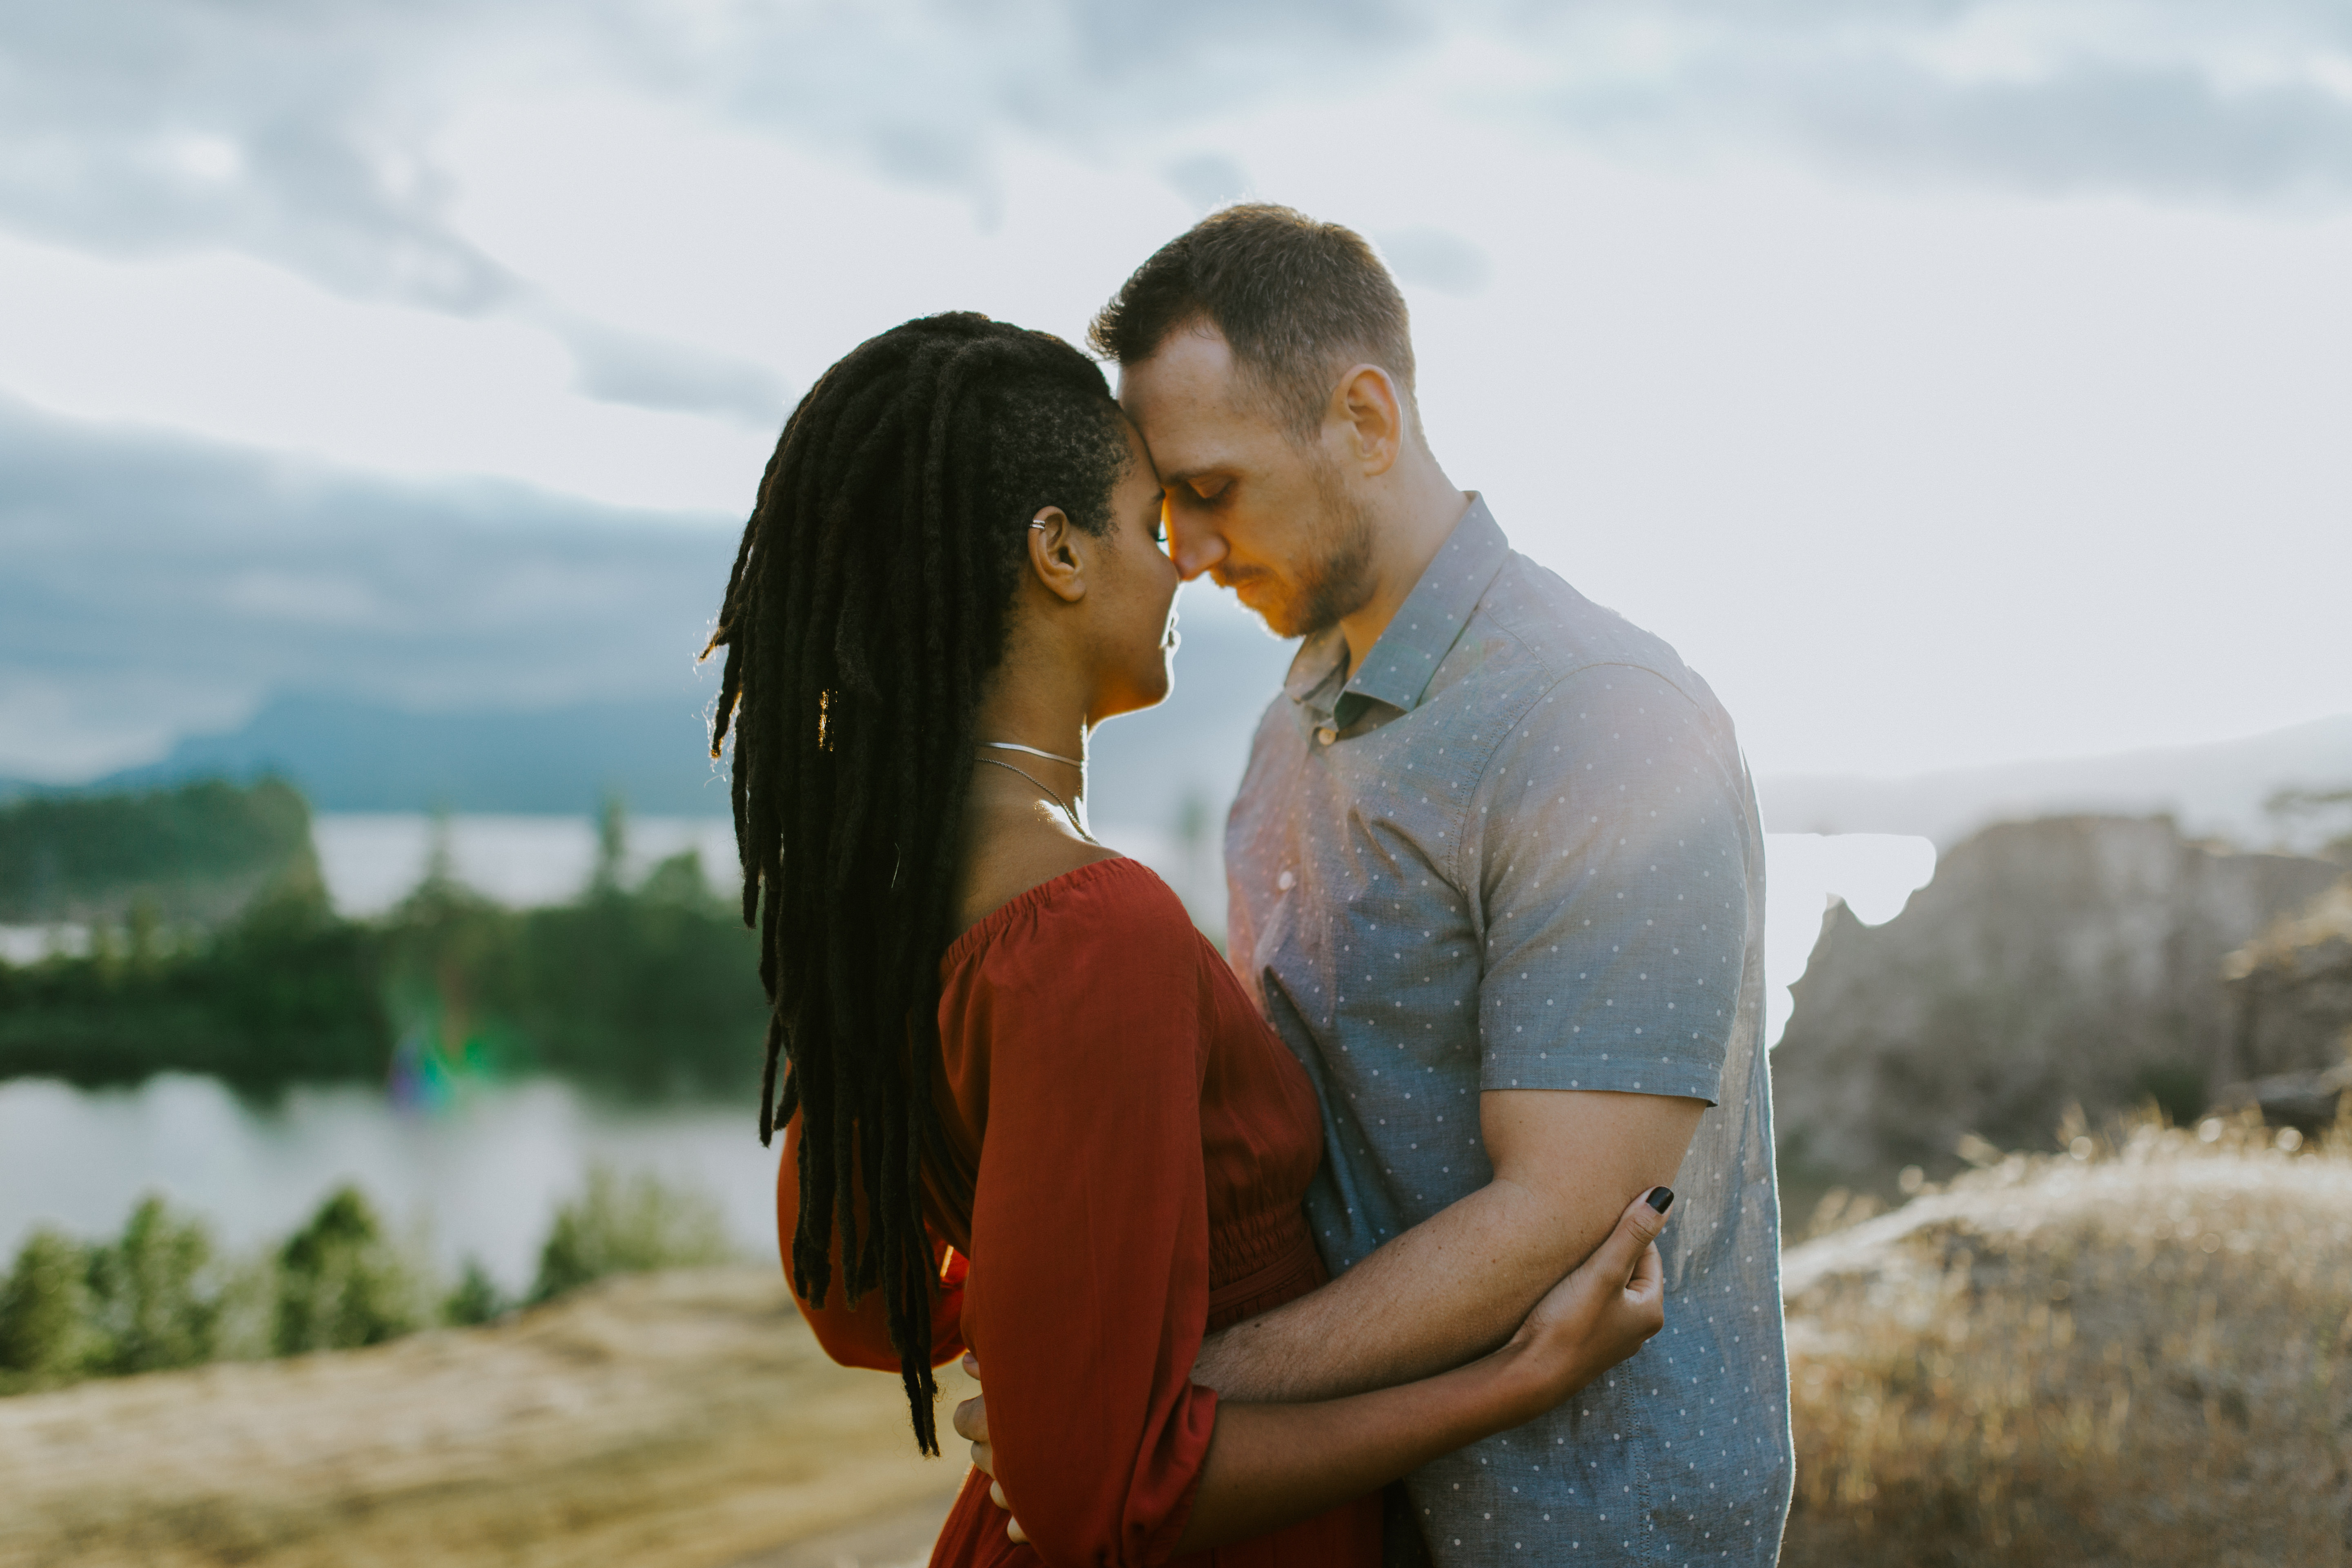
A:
(1192, 544)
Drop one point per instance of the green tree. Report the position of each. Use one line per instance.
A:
(44, 1332)
(285, 990)
(628, 1225)
(340, 1284)
(447, 967)
(476, 1299)
(612, 847)
(646, 990)
(198, 850)
(150, 1297)
(653, 990)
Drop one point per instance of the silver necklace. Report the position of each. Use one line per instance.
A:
(1017, 746)
(1076, 825)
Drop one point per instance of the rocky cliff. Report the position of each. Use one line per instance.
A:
(2293, 988)
(2072, 960)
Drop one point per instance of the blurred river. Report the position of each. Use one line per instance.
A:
(483, 1177)
(480, 1178)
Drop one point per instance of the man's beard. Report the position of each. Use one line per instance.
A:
(1339, 581)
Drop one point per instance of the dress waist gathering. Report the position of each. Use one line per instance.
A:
(1254, 1269)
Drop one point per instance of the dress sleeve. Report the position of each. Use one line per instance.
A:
(861, 1336)
(1088, 1291)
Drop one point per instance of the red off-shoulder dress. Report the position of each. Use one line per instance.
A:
(1141, 1144)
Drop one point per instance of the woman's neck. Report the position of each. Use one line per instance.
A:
(1014, 837)
(1038, 732)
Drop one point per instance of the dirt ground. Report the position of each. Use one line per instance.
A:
(2137, 1356)
(681, 1420)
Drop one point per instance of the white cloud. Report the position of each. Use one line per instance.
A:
(306, 132)
(62, 727)
(245, 353)
(158, 584)
(1950, 381)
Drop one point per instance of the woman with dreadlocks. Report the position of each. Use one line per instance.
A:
(1028, 1111)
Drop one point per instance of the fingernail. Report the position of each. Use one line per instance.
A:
(1661, 1198)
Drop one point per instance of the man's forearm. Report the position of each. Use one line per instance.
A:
(1449, 1289)
(1456, 1285)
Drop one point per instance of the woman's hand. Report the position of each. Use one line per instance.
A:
(972, 1422)
(1604, 1311)
(1272, 1465)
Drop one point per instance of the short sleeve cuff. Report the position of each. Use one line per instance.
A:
(1615, 1072)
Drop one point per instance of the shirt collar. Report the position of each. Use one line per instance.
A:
(1401, 663)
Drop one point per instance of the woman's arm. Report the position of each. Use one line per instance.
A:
(1273, 1464)
(1089, 1285)
(1412, 1309)
(860, 1336)
(1269, 1466)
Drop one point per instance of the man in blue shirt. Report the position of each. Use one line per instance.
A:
(1497, 879)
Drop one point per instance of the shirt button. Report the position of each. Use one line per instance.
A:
(1326, 734)
(1285, 881)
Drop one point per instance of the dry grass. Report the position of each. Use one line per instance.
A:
(678, 1420)
(2134, 1354)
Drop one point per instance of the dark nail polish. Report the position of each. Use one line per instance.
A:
(1661, 1198)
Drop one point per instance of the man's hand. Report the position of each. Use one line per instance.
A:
(971, 1424)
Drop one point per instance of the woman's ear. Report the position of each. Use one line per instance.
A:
(1057, 557)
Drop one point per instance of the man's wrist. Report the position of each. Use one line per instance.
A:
(1257, 1363)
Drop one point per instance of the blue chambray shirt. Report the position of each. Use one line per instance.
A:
(1519, 849)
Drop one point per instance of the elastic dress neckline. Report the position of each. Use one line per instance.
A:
(986, 929)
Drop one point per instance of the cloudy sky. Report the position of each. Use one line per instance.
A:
(1952, 381)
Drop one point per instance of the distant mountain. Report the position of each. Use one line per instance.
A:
(400, 644)
(157, 586)
(390, 644)
(351, 753)
(2217, 790)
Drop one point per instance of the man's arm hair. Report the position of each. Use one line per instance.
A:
(1457, 1285)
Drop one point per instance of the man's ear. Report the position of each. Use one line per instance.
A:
(1371, 417)
(1056, 558)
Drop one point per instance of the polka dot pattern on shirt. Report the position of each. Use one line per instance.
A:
(1529, 861)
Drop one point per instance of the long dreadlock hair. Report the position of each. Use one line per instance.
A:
(868, 603)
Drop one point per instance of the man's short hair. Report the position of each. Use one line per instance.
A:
(1296, 300)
